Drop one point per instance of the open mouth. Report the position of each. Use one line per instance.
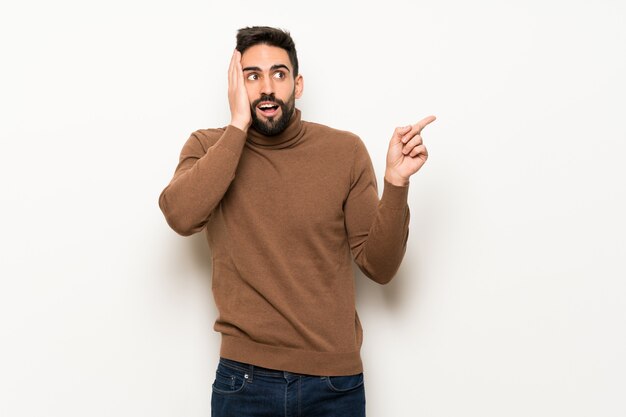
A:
(268, 109)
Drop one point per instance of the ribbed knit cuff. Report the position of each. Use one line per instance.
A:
(394, 196)
(233, 139)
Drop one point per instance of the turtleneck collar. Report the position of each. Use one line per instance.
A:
(288, 137)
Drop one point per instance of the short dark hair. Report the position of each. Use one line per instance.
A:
(255, 35)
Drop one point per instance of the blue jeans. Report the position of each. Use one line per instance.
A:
(243, 390)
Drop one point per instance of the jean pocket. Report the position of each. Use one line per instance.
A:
(228, 382)
(344, 383)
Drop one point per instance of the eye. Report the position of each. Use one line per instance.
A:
(253, 76)
(279, 74)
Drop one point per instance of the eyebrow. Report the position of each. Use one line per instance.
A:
(272, 68)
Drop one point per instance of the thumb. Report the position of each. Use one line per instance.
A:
(401, 131)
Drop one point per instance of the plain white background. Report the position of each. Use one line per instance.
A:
(510, 301)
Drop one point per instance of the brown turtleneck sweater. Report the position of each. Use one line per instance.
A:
(284, 217)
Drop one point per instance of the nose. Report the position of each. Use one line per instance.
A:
(268, 86)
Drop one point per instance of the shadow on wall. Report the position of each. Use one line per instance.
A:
(388, 297)
(430, 215)
(200, 251)
(199, 259)
(190, 267)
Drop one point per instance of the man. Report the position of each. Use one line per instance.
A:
(286, 205)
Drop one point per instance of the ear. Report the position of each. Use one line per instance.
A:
(299, 85)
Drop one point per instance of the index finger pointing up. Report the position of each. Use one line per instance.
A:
(423, 123)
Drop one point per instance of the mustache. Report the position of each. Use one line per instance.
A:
(271, 98)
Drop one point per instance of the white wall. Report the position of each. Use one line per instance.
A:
(510, 301)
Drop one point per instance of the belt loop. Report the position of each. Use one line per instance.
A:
(250, 375)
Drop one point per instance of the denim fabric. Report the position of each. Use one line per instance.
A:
(243, 390)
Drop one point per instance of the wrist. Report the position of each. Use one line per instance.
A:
(240, 125)
(395, 179)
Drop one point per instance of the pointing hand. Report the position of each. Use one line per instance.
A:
(407, 153)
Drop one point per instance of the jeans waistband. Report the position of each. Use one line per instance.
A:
(251, 370)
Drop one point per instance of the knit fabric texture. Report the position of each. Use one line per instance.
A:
(285, 216)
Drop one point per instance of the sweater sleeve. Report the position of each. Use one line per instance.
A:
(377, 229)
(201, 180)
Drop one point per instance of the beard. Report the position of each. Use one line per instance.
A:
(273, 126)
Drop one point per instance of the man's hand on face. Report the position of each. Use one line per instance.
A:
(238, 95)
(406, 154)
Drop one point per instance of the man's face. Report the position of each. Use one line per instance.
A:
(272, 89)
